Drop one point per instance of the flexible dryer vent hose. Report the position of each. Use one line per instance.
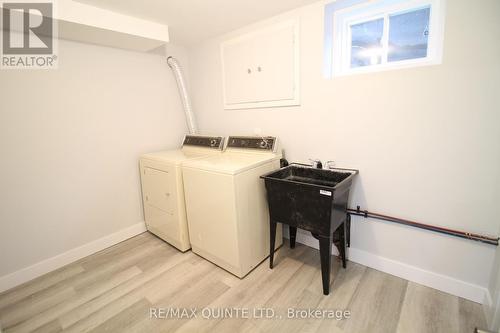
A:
(186, 102)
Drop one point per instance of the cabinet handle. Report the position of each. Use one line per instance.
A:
(249, 71)
(259, 69)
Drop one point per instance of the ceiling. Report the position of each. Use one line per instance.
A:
(192, 21)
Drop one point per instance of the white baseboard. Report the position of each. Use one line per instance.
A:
(434, 280)
(430, 279)
(29, 273)
(411, 273)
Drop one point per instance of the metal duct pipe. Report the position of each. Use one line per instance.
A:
(186, 102)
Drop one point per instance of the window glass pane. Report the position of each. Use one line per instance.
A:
(408, 35)
(366, 46)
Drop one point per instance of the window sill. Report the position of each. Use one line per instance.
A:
(386, 67)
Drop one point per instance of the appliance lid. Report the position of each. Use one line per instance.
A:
(230, 162)
(177, 156)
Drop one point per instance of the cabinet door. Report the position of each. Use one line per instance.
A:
(158, 186)
(275, 63)
(239, 78)
(260, 69)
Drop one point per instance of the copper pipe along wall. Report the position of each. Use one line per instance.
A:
(451, 232)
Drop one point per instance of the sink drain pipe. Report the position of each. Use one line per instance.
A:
(446, 231)
(186, 102)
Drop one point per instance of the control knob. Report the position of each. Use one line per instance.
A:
(213, 143)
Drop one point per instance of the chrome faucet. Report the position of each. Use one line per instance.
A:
(316, 163)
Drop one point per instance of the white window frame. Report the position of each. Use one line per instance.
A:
(345, 18)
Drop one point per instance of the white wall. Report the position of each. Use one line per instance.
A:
(426, 140)
(69, 144)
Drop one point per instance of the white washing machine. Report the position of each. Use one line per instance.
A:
(226, 203)
(163, 191)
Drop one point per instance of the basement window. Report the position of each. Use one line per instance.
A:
(387, 34)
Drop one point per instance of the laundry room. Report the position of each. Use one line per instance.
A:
(250, 166)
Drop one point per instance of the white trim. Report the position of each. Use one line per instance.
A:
(29, 273)
(434, 280)
(430, 279)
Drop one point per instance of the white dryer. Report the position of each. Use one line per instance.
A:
(226, 203)
(163, 191)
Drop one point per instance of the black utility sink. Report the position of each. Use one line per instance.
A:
(314, 200)
(311, 176)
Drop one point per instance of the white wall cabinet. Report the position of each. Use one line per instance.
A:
(261, 69)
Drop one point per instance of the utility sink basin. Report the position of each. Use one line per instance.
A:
(311, 199)
(314, 200)
(330, 178)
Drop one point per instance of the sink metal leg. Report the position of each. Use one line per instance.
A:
(348, 229)
(272, 240)
(325, 252)
(339, 239)
(342, 247)
(293, 236)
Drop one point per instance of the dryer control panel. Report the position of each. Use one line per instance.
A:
(215, 142)
(252, 142)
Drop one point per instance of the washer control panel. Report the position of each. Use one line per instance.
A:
(215, 142)
(252, 142)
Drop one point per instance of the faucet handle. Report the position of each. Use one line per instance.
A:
(330, 164)
(316, 163)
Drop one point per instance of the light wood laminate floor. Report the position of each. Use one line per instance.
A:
(114, 291)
